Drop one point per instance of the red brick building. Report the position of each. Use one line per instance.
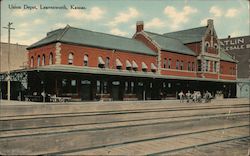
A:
(87, 65)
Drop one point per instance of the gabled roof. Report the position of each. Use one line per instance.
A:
(170, 44)
(73, 35)
(188, 35)
(226, 57)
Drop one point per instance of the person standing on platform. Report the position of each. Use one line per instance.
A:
(181, 95)
(188, 95)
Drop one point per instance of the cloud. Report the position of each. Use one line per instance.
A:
(23, 25)
(94, 14)
(117, 31)
(21, 12)
(20, 34)
(178, 18)
(38, 21)
(155, 23)
(217, 12)
(204, 21)
(49, 12)
(124, 17)
(235, 34)
(232, 12)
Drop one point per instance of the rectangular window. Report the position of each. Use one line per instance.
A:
(132, 87)
(182, 65)
(73, 86)
(65, 86)
(169, 63)
(98, 87)
(207, 65)
(193, 66)
(69, 86)
(189, 66)
(177, 64)
(199, 65)
(165, 63)
(105, 87)
(107, 62)
(126, 87)
(215, 66)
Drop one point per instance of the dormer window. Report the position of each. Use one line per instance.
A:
(153, 67)
(128, 65)
(144, 67)
(135, 66)
(118, 64)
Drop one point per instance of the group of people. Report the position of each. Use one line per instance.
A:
(195, 96)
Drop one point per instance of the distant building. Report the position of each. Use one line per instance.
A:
(18, 57)
(239, 48)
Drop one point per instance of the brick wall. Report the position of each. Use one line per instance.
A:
(228, 68)
(175, 56)
(196, 47)
(40, 51)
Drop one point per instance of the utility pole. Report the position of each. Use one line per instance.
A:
(8, 74)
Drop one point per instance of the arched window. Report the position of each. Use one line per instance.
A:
(38, 60)
(85, 60)
(32, 61)
(215, 46)
(43, 60)
(101, 63)
(50, 58)
(70, 58)
(107, 62)
(206, 46)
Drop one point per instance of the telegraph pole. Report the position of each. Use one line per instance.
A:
(8, 74)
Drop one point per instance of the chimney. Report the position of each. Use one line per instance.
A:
(210, 22)
(229, 36)
(139, 26)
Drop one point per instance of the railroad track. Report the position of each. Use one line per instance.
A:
(19, 123)
(168, 144)
(113, 130)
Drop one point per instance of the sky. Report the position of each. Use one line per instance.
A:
(118, 17)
